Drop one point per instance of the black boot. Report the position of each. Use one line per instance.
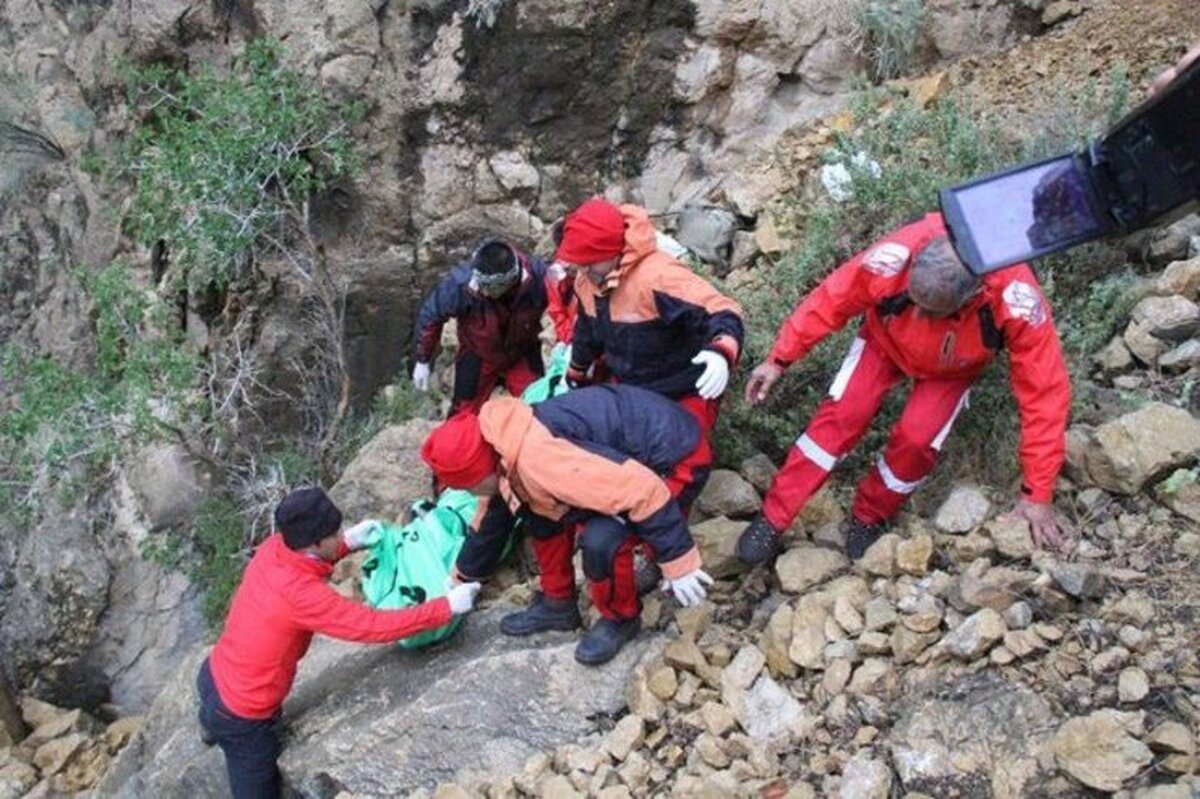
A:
(759, 543)
(601, 643)
(543, 614)
(860, 536)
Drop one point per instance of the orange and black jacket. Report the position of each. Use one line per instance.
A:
(651, 316)
(596, 450)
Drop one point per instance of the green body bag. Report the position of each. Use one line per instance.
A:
(551, 384)
(410, 563)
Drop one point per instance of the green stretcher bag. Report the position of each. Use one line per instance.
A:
(410, 562)
(551, 384)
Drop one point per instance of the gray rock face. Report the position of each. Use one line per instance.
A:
(387, 474)
(379, 721)
(980, 736)
(60, 590)
(168, 485)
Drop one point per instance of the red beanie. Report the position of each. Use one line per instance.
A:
(457, 452)
(593, 232)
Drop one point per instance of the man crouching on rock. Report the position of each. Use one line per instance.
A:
(283, 599)
(590, 462)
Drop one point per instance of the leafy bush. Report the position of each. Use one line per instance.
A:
(893, 30)
(65, 426)
(225, 162)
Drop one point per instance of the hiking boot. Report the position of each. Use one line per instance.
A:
(860, 536)
(543, 614)
(601, 643)
(759, 543)
(646, 574)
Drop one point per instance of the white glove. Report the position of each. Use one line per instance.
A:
(689, 589)
(462, 597)
(421, 376)
(364, 534)
(561, 349)
(712, 383)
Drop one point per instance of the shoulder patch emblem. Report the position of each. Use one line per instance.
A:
(1025, 302)
(887, 259)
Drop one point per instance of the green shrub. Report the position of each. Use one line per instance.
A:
(223, 163)
(893, 31)
(66, 426)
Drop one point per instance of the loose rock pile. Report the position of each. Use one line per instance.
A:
(66, 752)
(953, 659)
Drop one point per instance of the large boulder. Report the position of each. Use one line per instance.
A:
(727, 493)
(979, 736)
(717, 541)
(387, 474)
(168, 484)
(963, 510)
(1182, 278)
(382, 721)
(1100, 750)
(1133, 450)
(1172, 318)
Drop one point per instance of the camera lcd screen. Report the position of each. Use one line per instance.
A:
(1023, 213)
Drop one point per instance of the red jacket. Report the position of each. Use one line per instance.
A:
(1009, 312)
(282, 601)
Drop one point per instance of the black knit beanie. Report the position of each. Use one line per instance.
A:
(306, 516)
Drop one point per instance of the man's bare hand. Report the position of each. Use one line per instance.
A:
(764, 376)
(1049, 530)
(1164, 80)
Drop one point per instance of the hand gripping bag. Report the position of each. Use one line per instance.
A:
(410, 562)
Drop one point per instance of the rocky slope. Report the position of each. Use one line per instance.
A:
(475, 123)
(955, 661)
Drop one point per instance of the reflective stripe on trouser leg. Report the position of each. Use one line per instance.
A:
(866, 376)
(963, 403)
(804, 472)
(912, 449)
(842, 379)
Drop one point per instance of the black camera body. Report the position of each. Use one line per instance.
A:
(1146, 167)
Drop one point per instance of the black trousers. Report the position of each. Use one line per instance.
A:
(251, 746)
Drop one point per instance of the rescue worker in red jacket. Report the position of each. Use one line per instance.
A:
(931, 321)
(498, 298)
(591, 460)
(657, 324)
(282, 600)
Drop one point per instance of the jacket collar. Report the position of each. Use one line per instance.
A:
(299, 561)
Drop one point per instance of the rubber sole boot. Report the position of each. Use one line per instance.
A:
(860, 536)
(759, 543)
(543, 615)
(602, 643)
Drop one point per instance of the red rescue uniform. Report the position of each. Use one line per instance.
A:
(942, 356)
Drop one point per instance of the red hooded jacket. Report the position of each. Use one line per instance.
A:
(283, 599)
(1009, 312)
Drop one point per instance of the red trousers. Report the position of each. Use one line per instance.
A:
(616, 598)
(475, 379)
(866, 377)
